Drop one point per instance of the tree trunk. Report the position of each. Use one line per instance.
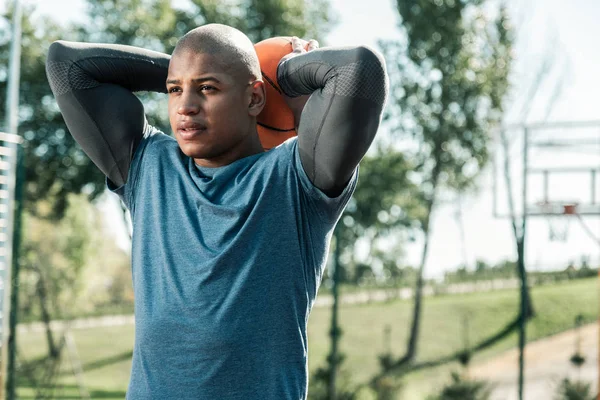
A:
(334, 331)
(524, 314)
(525, 307)
(411, 348)
(53, 350)
(519, 234)
(528, 309)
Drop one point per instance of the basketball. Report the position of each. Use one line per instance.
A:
(275, 123)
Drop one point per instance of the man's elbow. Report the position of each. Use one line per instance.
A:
(368, 54)
(61, 57)
(368, 73)
(58, 52)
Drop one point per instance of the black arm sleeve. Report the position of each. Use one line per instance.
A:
(93, 85)
(348, 88)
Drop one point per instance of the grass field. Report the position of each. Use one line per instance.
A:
(106, 352)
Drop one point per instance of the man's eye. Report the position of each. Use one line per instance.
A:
(174, 89)
(207, 88)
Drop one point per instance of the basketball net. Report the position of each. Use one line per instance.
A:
(558, 223)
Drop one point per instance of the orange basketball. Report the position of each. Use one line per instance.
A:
(275, 123)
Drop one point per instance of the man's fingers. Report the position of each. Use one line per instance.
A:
(297, 45)
(312, 45)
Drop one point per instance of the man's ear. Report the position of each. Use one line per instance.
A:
(258, 98)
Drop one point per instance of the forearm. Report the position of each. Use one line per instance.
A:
(76, 65)
(93, 85)
(348, 88)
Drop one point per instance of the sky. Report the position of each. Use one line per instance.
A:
(570, 33)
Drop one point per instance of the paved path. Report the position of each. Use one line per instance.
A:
(546, 364)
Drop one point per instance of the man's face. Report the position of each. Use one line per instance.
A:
(209, 108)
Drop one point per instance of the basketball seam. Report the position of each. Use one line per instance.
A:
(273, 128)
(270, 82)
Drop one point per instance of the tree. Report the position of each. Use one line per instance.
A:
(55, 165)
(462, 388)
(383, 207)
(62, 262)
(448, 81)
(53, 256)
(522, 103)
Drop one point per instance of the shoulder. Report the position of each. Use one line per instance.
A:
(280, 157)
(285, 150)
(153, 135)
(155, 143)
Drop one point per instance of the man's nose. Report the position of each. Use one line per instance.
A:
(189, 105)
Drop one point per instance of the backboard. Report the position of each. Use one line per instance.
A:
(549, 166)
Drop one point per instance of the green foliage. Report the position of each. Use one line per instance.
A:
(464, 389)
(383, 209)
(52, 258)
(573, 390)
(318, 384)
(387, 387)
(55, 165)
(158, 24)
(577, 359)
(74, 259)
(382, 200)
(449, 78)
(506, 270)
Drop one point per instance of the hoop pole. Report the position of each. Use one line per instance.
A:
(523, 270)
(545, 186)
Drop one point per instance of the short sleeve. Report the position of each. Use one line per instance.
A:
(330, 208)
(126, 191)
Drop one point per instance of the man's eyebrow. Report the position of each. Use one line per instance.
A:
(196, 80)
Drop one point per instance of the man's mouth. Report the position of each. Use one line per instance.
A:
(190, 129)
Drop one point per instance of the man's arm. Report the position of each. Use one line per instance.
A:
(348, 88)
(93, 85)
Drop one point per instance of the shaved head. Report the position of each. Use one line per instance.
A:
(215, 94)
(229, 45)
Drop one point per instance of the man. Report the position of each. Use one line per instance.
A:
(229, 242)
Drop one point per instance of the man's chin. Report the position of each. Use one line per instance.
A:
(202, 153)
(196, 150)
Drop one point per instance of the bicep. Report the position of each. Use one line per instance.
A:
(340, 120)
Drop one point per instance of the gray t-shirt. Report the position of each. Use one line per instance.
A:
(226, 265)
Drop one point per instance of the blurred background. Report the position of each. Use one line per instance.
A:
(466, 264)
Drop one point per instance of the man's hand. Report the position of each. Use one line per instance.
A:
(296, 104)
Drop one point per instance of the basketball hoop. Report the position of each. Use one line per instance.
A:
(558, 215)
(570, 209)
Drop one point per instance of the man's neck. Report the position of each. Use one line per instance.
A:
(248, 146)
